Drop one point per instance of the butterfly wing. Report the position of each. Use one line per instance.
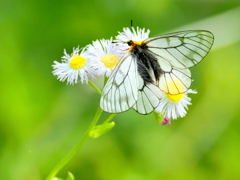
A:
(121, 90)
(149, 97)
(175, 53)
(176, 81)
(182, 49)
(126, 88)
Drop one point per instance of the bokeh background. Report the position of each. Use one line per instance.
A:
(41, 119)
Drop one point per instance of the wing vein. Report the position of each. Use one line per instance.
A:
(186, 56)
(197, 42)
(179, 80)
(175, 57)
(197, 47)
(174, 82)
(166, 82)
(193, 51)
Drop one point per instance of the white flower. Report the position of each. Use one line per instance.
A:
(174, 105)
(132, 34)
(104, 56)
(73, 68)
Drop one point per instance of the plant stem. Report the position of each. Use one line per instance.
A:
(109, 118)
(74, 151)
(95, 87)
(105, 80)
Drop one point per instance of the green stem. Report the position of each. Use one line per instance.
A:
(109, 118)
(105, 80)
(95, 87)
(74, 151)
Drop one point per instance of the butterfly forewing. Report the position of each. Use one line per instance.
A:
(121, 90)
(182, 49)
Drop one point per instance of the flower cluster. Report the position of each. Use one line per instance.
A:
(102, 56)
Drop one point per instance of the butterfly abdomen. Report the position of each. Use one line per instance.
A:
(147, 65)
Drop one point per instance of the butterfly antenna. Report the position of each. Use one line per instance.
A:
(131, 26)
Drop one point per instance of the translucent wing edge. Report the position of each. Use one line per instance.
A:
(182, 33)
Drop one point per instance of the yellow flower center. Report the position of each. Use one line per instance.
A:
(110, 61)
(174, 87)
(77, 62)
(175, 97)
(174, 90)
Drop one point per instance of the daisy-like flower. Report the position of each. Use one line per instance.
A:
(174, 105)
(104, 56)
(132, 34)
(73, 68)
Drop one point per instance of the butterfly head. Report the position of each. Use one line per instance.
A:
(132, 44)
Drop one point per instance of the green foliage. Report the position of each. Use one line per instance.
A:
(41, 119)
(70, 176)
(159, 117)
(101, 129)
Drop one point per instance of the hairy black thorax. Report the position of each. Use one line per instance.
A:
(147, 65)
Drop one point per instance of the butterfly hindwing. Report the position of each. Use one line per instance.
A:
(176, 81)
(149, 97)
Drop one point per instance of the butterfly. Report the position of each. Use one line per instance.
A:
(152, 66)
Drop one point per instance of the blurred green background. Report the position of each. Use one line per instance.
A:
(41, 119)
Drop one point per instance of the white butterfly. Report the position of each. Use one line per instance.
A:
(154, 65)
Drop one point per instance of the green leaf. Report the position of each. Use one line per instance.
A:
(70, 176)
(159, 117)
(99, 130)
(56, 178)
